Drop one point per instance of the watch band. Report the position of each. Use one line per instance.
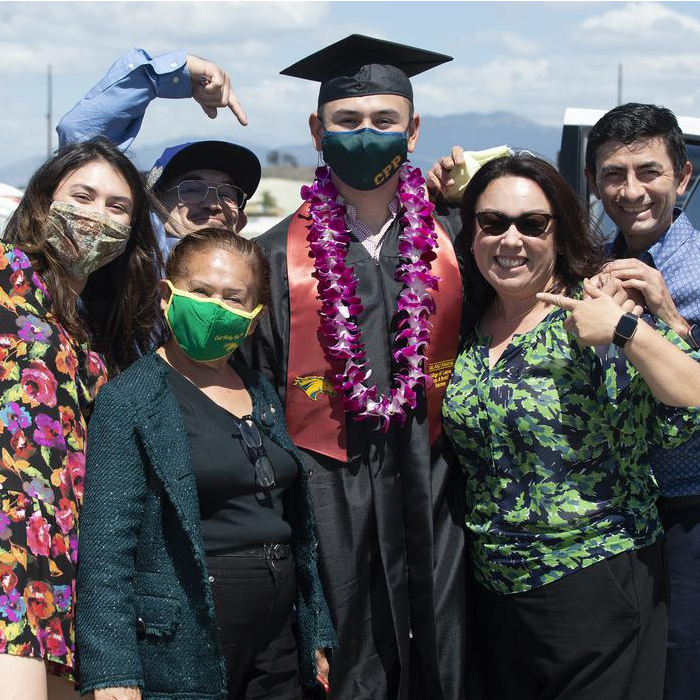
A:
(626, 327)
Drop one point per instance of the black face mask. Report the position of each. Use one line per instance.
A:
(365, 159)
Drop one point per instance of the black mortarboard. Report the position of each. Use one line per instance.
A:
(360, 65)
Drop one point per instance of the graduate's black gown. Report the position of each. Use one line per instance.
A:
(391, 520)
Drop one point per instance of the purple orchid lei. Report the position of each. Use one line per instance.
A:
(340, 305)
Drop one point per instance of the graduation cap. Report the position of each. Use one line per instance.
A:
(361, 65)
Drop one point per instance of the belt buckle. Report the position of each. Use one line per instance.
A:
(272, 551)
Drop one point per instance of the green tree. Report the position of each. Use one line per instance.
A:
(268, 202)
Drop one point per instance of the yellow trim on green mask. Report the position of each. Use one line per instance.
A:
(250, 315)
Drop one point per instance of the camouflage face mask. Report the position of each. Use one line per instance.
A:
(84, 240)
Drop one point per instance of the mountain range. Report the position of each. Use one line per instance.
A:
(473, 131)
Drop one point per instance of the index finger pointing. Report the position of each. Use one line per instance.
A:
(558, 300)
(235, 106)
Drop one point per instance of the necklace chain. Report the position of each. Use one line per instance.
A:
(340, 306)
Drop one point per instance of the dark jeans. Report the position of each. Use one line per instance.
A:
(596, 634)
(253, 598)
(681, 519)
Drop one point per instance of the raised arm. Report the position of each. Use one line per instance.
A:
(447, 179)
(440, 178)
(116, 105)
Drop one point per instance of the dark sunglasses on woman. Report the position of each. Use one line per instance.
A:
(495, 223)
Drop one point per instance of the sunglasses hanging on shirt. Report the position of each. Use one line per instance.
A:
(247, 430)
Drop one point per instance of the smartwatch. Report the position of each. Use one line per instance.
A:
(694, 336)
(625, 328)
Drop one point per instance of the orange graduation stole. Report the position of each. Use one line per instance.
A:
(314, 411)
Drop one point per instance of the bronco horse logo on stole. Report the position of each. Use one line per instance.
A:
(314, 385)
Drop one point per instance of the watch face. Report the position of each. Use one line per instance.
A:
(626, 325)
(694, 336)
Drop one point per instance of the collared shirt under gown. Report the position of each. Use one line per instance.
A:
(390, 521)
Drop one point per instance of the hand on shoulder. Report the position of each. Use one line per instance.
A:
(646, 281)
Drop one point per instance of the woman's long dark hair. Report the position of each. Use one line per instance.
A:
(120, 299)
(579, 249)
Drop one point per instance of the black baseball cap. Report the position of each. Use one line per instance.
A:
(238, 162)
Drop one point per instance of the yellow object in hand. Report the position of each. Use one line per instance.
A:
(473, 160)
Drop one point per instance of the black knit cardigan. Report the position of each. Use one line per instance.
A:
(144, 613)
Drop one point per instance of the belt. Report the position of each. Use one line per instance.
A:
(265, 551)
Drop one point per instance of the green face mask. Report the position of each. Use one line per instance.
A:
(365, 158)
(206, 329)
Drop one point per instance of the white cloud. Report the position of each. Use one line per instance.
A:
(532, 59)
(579, 67)
(541, 89)
(484, 88)
(70, 34)
(505, 41)
(649, 25)
(252, 50)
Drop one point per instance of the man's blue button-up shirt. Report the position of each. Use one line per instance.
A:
(116, 105)
(676, 255)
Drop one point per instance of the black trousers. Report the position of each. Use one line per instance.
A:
(681, 519)
(253, 598)
(596, 634)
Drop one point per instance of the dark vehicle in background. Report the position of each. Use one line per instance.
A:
(572, 161)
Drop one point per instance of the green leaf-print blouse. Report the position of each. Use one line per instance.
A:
(554, 441)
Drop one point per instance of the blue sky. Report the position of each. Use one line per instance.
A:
(531, 58)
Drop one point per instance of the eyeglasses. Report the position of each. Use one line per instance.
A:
(252, 442)
(196, 191)
(494, 223)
